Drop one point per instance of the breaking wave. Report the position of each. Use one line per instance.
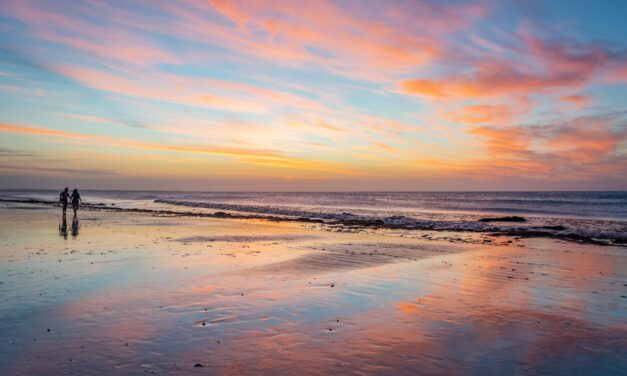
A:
(614, 233)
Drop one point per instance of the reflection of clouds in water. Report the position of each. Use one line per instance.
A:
(450, 313)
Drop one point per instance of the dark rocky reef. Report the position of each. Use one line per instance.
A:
(504, 219)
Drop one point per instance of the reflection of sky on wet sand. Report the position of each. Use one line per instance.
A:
(133, 298)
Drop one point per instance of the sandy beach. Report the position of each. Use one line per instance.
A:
(130, 293)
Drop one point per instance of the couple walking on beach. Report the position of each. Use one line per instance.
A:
(75, 198)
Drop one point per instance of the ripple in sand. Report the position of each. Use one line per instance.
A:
(355, 256)
(244, 238)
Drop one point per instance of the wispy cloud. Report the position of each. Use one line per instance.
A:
(99, 119)
(6, 152)
(260, 157)
(362, 90)
(578, 100)
(588, 145)
(482, 114)
(27, 169)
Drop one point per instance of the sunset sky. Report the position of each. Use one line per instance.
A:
(314, 95)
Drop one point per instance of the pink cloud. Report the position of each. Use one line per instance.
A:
(578, 100)
(621, 73)
(194, 91)
(366, 38)
(618, 73)
(504, 140)
(568, 56)
(492, 81)
(584, 140)
(583, 146)
(99, 40)
(355, 35)
(539, 66)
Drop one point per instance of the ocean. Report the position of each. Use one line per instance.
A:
(587, 215)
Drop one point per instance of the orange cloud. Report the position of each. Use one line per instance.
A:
(259, 157)
(481, 114)
(8, 128)
(504, 140)
(587, 140)
(541, 67)
(333, 30)
(334, 36)
(576, 99)
(490, 82)
(584, 147)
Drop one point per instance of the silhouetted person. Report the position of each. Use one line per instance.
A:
(63, 199)
(63, 226)
(76, 200)
(75, 227)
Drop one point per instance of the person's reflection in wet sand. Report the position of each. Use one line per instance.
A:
(63, 227)
(75, 227)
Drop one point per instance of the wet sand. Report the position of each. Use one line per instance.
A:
(131, 293)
